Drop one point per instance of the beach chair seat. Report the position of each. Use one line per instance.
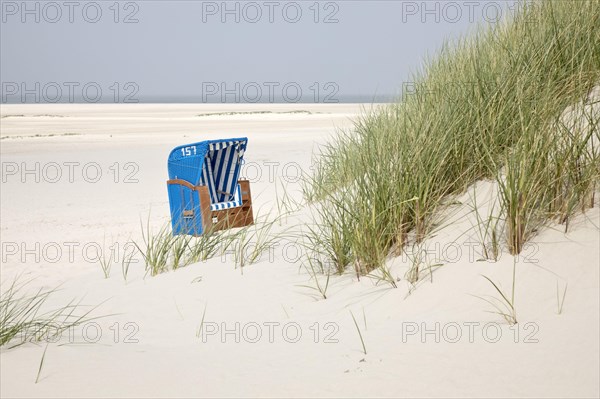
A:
(237, 201)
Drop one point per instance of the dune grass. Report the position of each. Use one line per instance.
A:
(489, 106)
(24, 316)
(252, 241)
(503, 304)
(162, 251)
(560, 299)
(104, 262)
(487, 226)
(362, 341)
(156, 248)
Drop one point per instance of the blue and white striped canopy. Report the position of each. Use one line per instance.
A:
(213, 163)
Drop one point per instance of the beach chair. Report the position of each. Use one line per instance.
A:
(204, 191)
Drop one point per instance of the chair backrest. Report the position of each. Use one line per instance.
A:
(213, 163)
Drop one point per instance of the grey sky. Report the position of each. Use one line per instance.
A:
(182, 51)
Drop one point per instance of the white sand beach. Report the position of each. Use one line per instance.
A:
(80, 177)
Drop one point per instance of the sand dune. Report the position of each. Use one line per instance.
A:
(264, 332)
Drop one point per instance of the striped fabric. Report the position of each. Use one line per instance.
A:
(221, 169)
(237, 201)
(208, 180)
